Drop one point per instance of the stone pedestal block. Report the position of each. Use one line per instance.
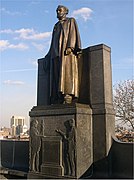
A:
(101, 100)
(95, 77)
(100, 77)
(96, 89)
(43, 87)
(66, 140)
(52, 156)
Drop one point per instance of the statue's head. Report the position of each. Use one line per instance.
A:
(71, 122)
(34, 123)
(62, 11)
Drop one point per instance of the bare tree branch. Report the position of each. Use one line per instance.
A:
(123, 101)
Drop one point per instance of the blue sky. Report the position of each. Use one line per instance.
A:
(25, 35)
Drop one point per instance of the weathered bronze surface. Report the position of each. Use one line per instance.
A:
(61, 59)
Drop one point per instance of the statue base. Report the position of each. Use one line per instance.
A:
(66, 140)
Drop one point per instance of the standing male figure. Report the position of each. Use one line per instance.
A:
(69, 143)
(63, 59)
(35, 145)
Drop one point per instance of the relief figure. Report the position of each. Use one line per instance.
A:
(69, 142)
(35, 145)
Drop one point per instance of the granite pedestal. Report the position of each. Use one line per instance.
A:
(66, 157)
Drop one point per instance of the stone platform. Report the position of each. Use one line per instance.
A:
(65, 133)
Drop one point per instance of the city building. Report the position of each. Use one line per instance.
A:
(18, 126)
(5, 132)
(17, 120)
(13, 130)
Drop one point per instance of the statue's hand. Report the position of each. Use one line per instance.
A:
(79, 53)
(57, 130)
(68, 51)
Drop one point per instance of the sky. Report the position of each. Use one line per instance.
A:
(25, 35)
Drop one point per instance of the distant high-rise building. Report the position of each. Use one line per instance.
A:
(13, 130)
(19, 130)
(17, 120)
(17, 123)
(25, 129)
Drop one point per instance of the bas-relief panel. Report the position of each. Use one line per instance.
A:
(51, 123)
(48, 125)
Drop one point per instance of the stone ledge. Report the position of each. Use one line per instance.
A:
(12, 172)
(103, 111)
(60, 109)
(32, 175)
(99, 47)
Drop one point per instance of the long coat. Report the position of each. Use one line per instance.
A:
(64, 68)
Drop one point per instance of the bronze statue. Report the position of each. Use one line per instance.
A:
(62, 59)
(69, 142)
(35, 145)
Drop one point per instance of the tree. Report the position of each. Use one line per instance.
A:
(123, 100)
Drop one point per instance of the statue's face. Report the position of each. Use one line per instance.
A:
(36, 124)
(61, 13)
(71, 122)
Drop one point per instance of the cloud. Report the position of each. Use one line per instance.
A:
(27, 34)
(35, 2)
(84, 13)
(126, 63)
(10, 82)
(30, 34)
(6, 31)
(35, 63)
(4, 44)
(17, 70)
(20, 46)
(4, 10)
(39, 47)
